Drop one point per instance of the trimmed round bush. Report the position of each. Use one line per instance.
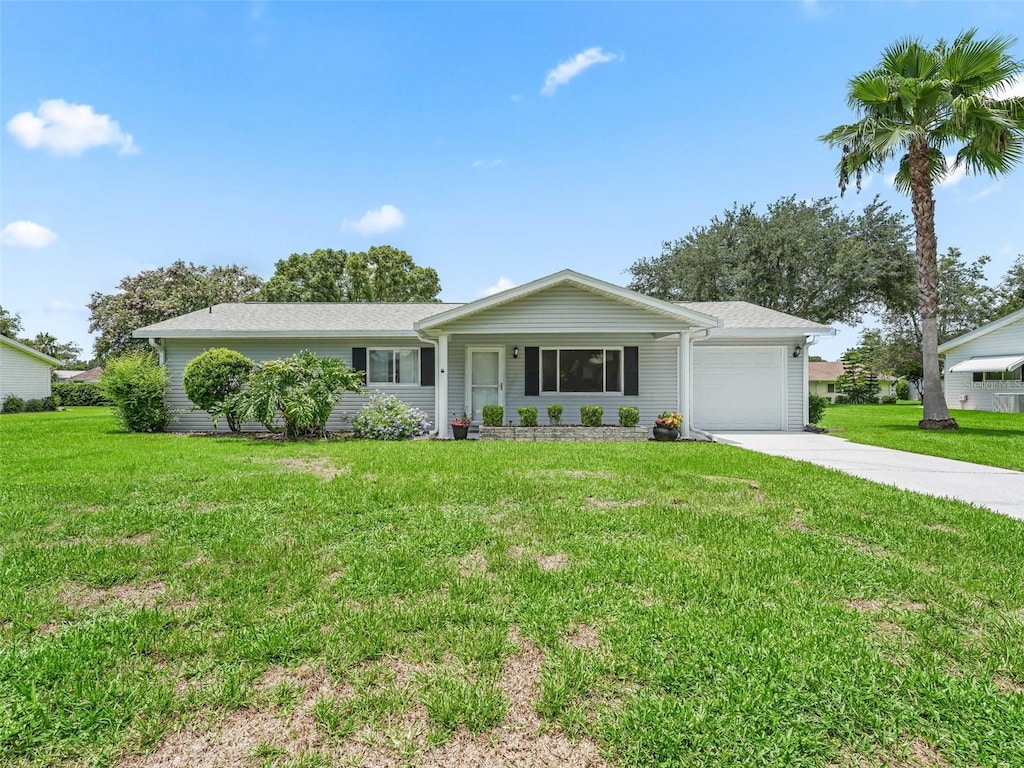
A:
(902, 390)
(629, 416)
(528, 416)
(385, 417)
(213, 379)
(493, 415)
(135, 382)
(555, 414)
(591, 415)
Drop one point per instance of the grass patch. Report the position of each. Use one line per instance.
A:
(164, 596)
(984, 437)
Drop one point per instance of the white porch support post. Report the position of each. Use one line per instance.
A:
(441, 395)
(685, 380)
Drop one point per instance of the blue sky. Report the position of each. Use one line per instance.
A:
(495, 142)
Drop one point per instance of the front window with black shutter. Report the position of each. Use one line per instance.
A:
(581, 370)
(393, 366)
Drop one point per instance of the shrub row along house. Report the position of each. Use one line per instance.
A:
(566, 338)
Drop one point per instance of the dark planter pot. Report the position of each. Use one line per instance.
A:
(666, 434)
(460, 431)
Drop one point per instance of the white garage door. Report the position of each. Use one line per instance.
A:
(739, 388)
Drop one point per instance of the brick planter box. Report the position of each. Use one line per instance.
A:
(551, 434)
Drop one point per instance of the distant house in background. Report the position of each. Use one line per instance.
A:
(985, 368)
(91, 375)
(24, 372)
(822, 377)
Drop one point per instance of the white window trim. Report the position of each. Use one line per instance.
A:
(393, 350)
(604, 377)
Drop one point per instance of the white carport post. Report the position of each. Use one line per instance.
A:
(441, 398)
(685, 380)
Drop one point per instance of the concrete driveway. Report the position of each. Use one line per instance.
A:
(999, 489)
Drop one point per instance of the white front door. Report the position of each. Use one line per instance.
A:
(485, 379)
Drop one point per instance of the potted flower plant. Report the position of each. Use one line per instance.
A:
(460, 426)
(666, 426)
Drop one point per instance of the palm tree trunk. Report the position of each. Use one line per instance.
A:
(936, 414)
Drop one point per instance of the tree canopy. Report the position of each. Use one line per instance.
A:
(1010, 293)
(382, 273)
(10, 325)
(806, 258)
(160, 294)
(918, 103)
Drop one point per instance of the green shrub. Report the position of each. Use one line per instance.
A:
(38, 405)
(591, 415)
(528, 416)
(13, 404)
(75, 393)
(629, 416)
(902, 390)
(213, 380)
(555, 414)
(302, 389)
(493, 415)
(841, 400)
(49, 403)
(888, 400)
(134, 382)
(385, 417)
(816, 405)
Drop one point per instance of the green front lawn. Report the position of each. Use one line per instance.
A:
(996, 439)
(245, 602)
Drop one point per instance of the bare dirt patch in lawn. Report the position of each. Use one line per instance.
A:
(473, 564)
(864, 547)
(556, 562)
(944, 529)
(322, 468)
(1008, 684)
(585, 636)
(579, 473)
(147, 595)
(915, 754)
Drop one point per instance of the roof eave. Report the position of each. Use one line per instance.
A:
(213, 333)
(41, 356)
(984, 330)
(725, 333)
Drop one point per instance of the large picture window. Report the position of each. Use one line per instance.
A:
(393, 366)
(581, 370)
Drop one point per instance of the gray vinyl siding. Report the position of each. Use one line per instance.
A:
(23, 375)
(796, 389)
(178, 352)
(658, 364)
(567, 309)
(1008, 340)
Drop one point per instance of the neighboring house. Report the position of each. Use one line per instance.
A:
(24, 372)
(566, 338)
(822, 377)
(90, 376)
(985, 368)
(63, 375)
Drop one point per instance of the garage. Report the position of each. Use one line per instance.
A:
(739, 388)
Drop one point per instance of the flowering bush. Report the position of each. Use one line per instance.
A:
(385, 417)
(669, 420)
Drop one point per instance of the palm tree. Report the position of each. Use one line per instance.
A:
(919, 104)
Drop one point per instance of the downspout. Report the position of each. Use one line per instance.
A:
(689, 393)
(158, 345)
(437, 385)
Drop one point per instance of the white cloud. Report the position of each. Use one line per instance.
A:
(68, 129)
(986, 192)
(503, 284)
(813, 9)
(516, 98)
(569, 69)
(487, 163)
(953, 175)
(26, 234)
(384, 219)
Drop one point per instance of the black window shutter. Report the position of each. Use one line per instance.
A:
(631, 371)
(426, 366)
(359, 360)
(532, 355)
(977, 376)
